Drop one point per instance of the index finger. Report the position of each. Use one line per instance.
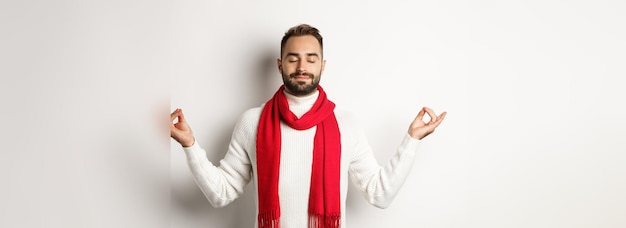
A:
(181, 117)
(431, 114)
(420, 115)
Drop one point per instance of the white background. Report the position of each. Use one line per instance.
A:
(534, 92)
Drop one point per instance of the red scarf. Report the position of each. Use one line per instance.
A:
(324, 196)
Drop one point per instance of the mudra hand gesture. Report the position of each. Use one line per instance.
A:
(180, 130)
(419, 129)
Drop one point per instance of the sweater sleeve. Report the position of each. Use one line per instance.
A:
(380, 184)
(224, 183)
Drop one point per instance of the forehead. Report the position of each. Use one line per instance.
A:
(302, 45)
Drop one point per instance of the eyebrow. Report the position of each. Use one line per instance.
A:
(313, 54)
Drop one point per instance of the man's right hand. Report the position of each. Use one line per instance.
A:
(180, 131)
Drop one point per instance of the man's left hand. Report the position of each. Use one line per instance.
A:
(419, 129)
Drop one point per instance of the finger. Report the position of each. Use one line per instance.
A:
(431, 114)
(420, 115)
(181, 118)
(174, 114)
(440, 118)
(173, 130)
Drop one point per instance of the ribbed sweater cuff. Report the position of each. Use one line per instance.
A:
(409, 143)
(189, 150)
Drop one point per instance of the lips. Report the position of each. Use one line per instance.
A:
(301, 76)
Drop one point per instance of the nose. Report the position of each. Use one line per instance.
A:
(301, 68)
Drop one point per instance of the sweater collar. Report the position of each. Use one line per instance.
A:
(308, 100)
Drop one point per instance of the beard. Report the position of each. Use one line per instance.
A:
(300, 88)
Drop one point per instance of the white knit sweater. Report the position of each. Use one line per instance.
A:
(224, 183)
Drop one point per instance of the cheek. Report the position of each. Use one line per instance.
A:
(287, 68)
(319, 68)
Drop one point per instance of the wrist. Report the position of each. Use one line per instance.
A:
(417, 136)
(188, 143)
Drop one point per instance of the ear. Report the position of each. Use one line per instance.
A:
(279, 64)
(323, 66)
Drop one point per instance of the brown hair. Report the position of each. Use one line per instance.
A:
(301, 30)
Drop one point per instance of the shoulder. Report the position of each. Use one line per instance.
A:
(251, 115)
(247, 124)
(249, 119)
(347, 120)
(344, 114)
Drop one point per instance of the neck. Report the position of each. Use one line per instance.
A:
(299, 94)
(302, 104)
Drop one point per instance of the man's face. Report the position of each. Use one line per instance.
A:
(301, 65)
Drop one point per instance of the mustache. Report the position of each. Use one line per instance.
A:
(296, 74)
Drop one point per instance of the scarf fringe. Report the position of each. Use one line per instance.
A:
(321, 221)
(269, 220)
